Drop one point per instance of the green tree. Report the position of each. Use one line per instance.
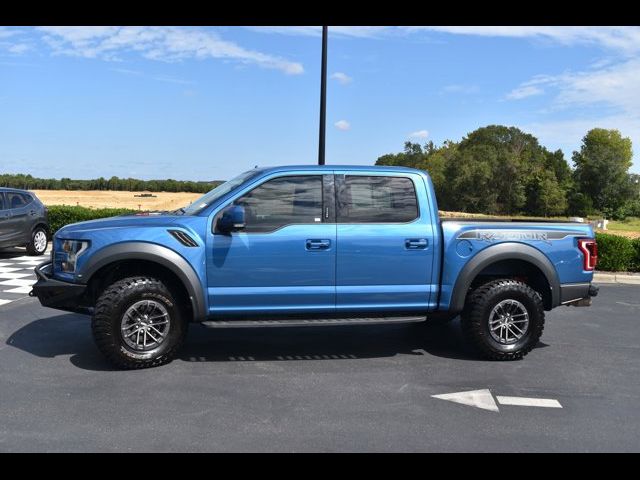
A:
(602, 166)
(514, 156)
(546, 196)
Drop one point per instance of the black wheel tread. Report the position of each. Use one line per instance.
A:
(101, 322)
(472, 317)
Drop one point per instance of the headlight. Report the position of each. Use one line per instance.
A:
(71, 250)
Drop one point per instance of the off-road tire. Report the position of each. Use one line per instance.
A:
(112, 304)
(31, 246)
(475, 318)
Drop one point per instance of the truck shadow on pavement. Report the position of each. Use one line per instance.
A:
(70, 334)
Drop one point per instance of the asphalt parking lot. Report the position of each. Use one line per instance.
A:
(359, 388)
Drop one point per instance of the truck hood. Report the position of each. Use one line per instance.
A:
(123, 221)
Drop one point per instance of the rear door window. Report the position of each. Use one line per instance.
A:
(16, 200)
(377, 199)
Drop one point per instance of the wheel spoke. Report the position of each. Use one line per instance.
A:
(521, 332)
(154, 338)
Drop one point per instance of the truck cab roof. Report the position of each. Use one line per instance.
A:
(355, 168)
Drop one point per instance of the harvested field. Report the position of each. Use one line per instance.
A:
(114, 199)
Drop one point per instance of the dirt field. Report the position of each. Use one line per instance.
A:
(111, 199)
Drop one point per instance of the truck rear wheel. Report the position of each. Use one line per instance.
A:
(503, 319)
(138, 324)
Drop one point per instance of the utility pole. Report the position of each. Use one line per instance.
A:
(323, 98)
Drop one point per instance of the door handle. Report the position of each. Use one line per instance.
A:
(32, 212)
(416, 243)
(313, 244)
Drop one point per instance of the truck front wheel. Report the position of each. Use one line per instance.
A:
(503, 319)
(137, 323)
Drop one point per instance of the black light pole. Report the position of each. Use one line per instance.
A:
(323, 98)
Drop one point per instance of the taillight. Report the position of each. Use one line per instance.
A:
(589, 249)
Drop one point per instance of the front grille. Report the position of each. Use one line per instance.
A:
(183, 238)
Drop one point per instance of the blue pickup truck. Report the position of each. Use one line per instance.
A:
(314, 245)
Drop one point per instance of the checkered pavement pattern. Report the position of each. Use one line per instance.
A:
(17, 275)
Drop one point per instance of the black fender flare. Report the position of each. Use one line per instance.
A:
(496, 253)
(153, 253)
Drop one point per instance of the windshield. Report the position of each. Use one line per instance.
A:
(208, 198)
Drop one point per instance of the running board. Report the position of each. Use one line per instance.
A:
(315, 322)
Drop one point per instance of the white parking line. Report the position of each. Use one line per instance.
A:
(10, 276)
(17, 282)
(9, 269)
(529, 402)
(25, 289)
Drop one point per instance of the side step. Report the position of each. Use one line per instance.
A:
(315, 322)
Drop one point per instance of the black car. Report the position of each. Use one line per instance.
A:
(23, 221)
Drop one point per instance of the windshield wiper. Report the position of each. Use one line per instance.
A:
(179, 211)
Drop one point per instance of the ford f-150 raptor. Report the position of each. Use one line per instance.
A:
(314, 245)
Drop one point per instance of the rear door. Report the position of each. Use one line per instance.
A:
(385, 243)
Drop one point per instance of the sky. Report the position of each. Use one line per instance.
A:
(206, 103)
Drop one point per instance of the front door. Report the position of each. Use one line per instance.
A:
(283, 262)
(385, 243)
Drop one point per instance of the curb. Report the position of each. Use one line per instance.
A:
(626, 278)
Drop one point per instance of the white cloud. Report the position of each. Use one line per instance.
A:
(618, 38)
(316, 31)
(624, 39)
(157, 43)
(342, 78)
(615, 86)
(342, 125)
(18, 48)
(168, 79)
(613, 90)
(6, 32)
(420, 134)
(524, 91)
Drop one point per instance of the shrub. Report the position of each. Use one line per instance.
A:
(615, 253)
(61, 215)
(635, 264)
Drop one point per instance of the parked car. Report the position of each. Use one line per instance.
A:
(314, 245)
(23, 221)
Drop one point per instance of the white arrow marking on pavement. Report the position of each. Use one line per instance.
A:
(529, 402)
(475, 398)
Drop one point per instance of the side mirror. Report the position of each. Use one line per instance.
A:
(232, 219)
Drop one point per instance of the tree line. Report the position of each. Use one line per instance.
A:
(505, 171)
(27, 182)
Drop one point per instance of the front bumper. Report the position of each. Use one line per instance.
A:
(577, 294)
(57, 294)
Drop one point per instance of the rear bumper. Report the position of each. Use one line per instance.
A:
(577, 294)
(57, 294)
